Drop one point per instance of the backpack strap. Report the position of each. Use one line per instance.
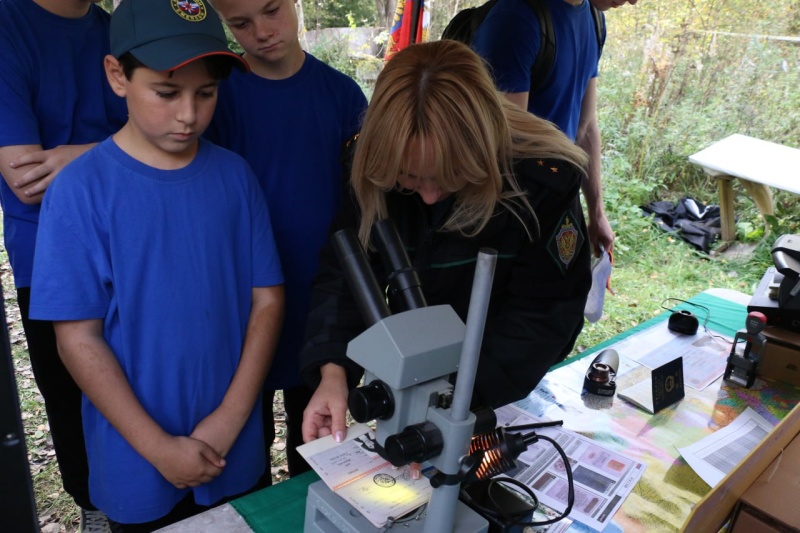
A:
(540, 71)
(464, 24)
(543, 66)
(599, 27)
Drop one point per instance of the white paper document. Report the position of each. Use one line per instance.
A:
(363, 478)
(641, 392)
(602, 478)
(719, 453)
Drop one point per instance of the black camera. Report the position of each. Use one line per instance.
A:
(602, 373)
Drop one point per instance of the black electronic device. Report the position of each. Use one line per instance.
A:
(683, 322)
(765, 300)
(602, 373)
(786, 256)
(17, 505)
(778, 293)
(500, 499)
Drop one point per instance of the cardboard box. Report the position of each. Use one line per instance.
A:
(771, 502)
(713, 511)
(748, 523)
(781, 357)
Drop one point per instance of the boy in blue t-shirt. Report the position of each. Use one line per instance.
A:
(289, 117)
(509, 40)
(156, 262)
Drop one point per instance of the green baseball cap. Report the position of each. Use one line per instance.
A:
(168, 34)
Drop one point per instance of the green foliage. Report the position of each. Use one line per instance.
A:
(336, 53)
(339, 14)
(668, 87)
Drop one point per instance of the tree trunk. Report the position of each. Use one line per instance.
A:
(386, 9)
(301, 24)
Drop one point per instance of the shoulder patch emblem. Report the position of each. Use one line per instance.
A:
(565, 242)
(191, 10)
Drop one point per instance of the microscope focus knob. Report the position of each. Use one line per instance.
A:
(371, 402)
(414, 444)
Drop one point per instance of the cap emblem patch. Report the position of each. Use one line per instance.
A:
(191, 10)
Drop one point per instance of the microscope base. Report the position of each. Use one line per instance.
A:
(328, 513)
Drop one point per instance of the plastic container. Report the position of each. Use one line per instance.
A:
(601, 272)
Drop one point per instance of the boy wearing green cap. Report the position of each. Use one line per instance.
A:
(166, 291)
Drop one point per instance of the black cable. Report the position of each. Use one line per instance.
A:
(536, 425)
(512, 518)
(705, 322)
(706, 309)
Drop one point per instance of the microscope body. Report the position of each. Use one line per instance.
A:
(412, 354)
(408, 357)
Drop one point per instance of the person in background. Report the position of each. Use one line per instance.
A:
(289, 118)
(55, 104)
(509, 39)
(605, 5)
(458, 168)
(155, 261)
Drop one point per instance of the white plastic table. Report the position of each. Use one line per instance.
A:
(757, 164)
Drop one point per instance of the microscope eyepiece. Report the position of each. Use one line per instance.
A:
(371, 402)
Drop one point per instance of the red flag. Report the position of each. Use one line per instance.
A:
(407, 15)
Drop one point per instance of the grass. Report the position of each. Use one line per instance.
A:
(656, 266)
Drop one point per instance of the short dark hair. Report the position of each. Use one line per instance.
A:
(219, 67)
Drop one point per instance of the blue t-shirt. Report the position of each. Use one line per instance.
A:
(509, 40)
(168, 260)
(291, 132)
(53, 91)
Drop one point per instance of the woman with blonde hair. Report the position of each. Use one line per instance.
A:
(458, 168)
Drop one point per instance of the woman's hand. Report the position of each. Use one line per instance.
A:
(325, 413)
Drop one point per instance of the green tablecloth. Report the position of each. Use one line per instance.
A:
(277, 509)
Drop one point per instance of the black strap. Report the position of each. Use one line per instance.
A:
(540, 71)
(543, 66)
(466, 22)
(599, 27)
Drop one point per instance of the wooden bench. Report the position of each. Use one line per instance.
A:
(757, 164)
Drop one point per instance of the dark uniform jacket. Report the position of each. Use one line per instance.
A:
(538, 293)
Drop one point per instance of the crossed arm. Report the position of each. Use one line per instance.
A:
(29, 170)
(185, 461)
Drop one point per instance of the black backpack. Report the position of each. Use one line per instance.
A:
(463, 26)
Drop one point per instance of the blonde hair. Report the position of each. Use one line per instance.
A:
(441, 93)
